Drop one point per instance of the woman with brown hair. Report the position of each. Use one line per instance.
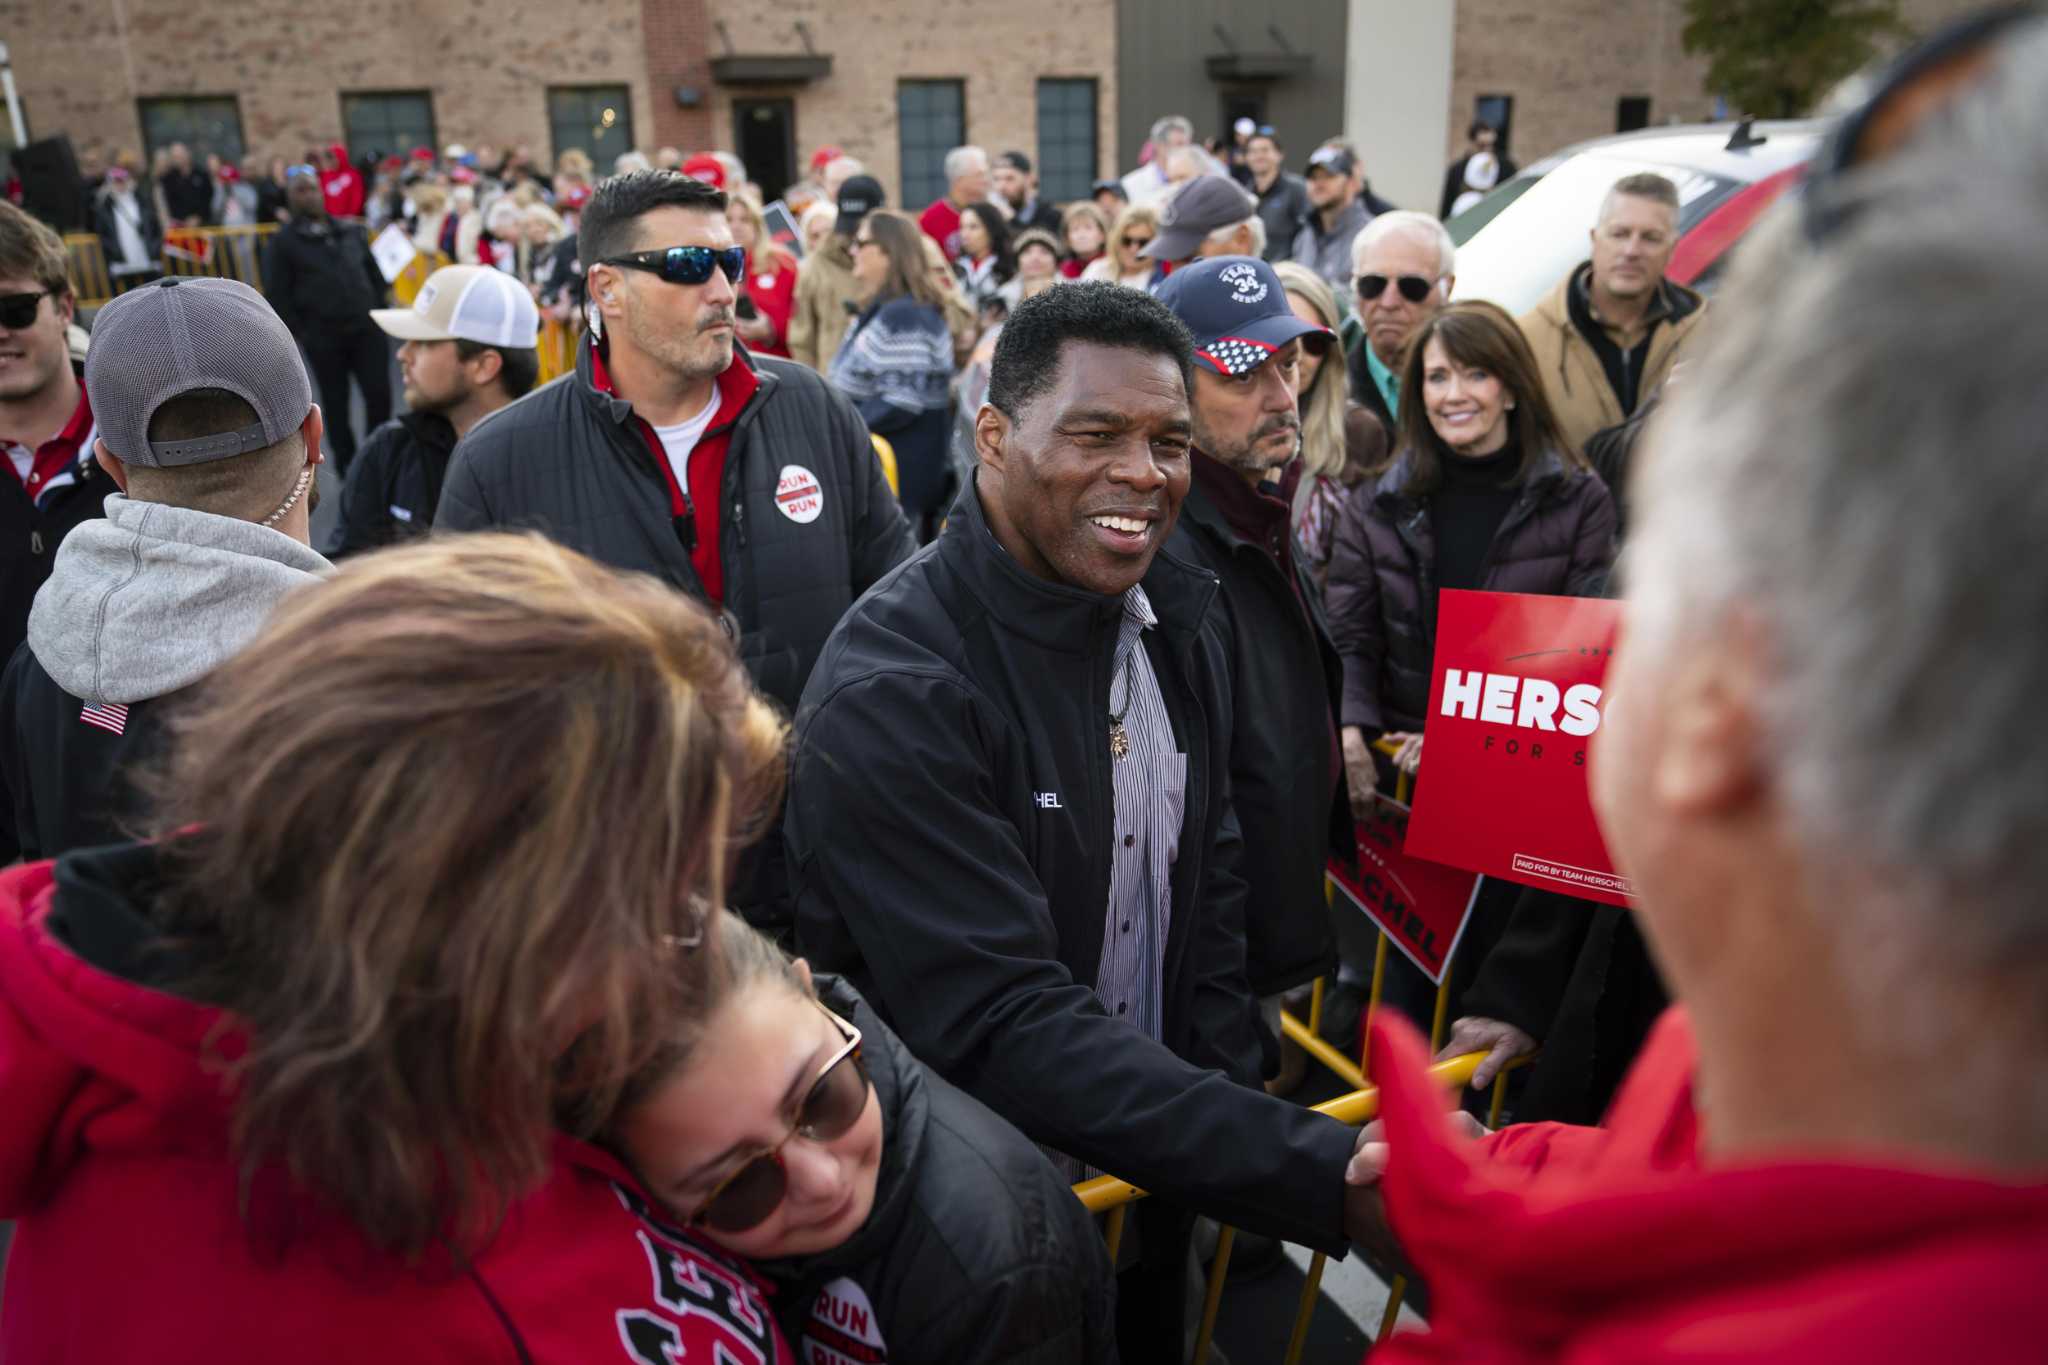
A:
(896, 362)
(1484, 494)
(435, 860)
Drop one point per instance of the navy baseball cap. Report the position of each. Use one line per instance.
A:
(1238, 310)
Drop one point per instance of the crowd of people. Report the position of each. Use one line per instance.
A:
(860, 754)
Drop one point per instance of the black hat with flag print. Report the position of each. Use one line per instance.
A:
(1238, 310)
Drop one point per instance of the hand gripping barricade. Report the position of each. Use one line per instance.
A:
(1112, 1197)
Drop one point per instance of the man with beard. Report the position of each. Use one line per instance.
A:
(1285, 675)
(469, 349)
(746, 482)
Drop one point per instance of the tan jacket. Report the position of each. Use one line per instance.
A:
(824, 286)
(1573, 378)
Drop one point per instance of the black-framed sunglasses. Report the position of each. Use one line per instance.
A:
(18, 311)
(1131, 241)
(1414, 288)
(830, 1108)
(685, 264)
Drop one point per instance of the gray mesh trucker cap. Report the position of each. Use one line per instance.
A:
(177, 335)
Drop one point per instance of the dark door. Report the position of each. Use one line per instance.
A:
(1239, 104)
(766, 133)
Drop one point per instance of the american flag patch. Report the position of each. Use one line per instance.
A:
(1236, 355)
(111, 716)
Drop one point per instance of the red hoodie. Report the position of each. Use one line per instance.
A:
(114, 1157)
(342, 187)
(1547, 1242)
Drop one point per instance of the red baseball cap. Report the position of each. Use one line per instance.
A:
(824, 157)
(706, 168)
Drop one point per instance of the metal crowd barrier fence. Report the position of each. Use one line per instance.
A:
(233, 253)
(1112, 1197)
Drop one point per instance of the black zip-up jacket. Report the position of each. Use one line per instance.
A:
(571, 462)
(31, 529)
(976, 1252)
(67, 783)
(1285, 679)
(394, 484)
(319, 276)
(949, 828)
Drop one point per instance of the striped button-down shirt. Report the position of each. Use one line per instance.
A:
(1150, 793)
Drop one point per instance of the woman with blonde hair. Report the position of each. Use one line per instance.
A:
(1342, 443)
(1120, 262)
(429, 214)
(767, 292)
(331, 1043)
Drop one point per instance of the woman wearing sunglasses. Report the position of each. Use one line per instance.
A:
(308, 1049)
(1121, 264)
(901, 1219)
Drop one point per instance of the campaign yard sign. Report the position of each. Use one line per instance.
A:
(1514, 700)
(1422, 907)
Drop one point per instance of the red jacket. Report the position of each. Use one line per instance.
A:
(114, 1157)
(1547, 1242)
(771, 283)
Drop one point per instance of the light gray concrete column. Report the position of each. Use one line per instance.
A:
(1397, 94)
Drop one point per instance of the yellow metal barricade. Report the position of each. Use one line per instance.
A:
(1111, 1196)
(230, 253)
(557, 349)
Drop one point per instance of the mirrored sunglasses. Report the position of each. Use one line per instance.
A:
(685, 264)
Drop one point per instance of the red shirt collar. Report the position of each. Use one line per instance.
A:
(736, 384)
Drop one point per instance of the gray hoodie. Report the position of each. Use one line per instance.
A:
(153, 598)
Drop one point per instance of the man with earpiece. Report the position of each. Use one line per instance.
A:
(744, 481)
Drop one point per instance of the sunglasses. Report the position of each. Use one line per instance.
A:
(1137, 241)
(685, 264)
(303, 168)
(1414, 288)
(18, 311)
(831, 1107)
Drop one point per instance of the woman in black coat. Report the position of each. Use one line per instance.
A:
(1485, 494)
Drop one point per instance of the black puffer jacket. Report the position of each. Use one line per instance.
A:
(571, 462)
(976, 1253)
(394, 484)
(1557, 540)
(1284, 684)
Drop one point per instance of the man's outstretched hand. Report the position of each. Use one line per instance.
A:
(1365, 1209)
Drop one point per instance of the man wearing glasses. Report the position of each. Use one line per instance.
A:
(745, 482)
(46, 429)
(1404, 262)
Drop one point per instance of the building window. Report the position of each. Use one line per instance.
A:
(205, 123)
(384, 123)
(931, 120)
(1498, 110)
(1066, 139)
(596, 118)
(1631, 112)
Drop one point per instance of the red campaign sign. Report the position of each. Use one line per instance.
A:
(1514, 699)
(1420, 906)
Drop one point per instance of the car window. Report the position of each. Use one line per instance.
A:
(1464, 226)
(1527, 244)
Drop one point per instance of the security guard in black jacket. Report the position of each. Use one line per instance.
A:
(745, 482)
(1012, 767)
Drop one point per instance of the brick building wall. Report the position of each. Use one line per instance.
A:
(488, 63)
(999, 48)
(1567, 63)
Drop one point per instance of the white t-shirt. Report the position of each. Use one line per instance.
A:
(679, 440)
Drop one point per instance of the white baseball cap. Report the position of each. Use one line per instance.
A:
(467, 303)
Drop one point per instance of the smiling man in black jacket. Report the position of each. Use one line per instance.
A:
(1010, 820)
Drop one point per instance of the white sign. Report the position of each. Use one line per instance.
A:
(393, 251)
